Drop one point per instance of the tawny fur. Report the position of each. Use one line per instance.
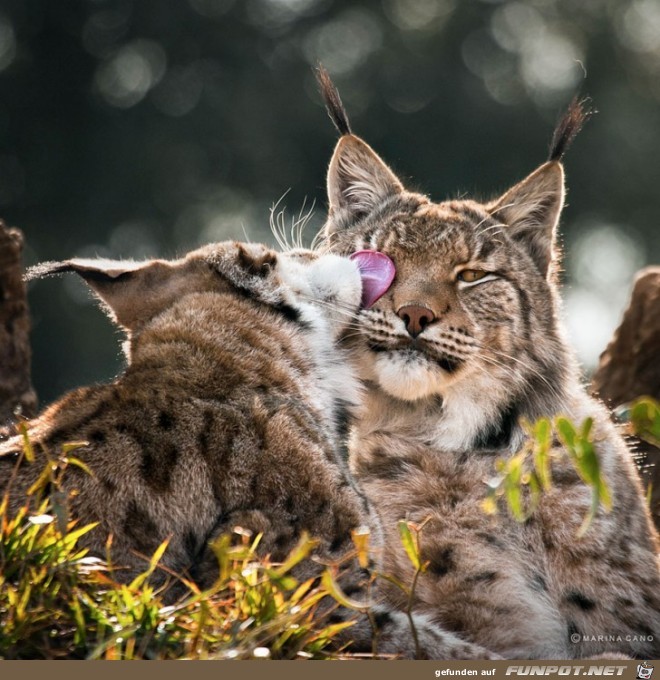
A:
(230, 413)
(443, 406)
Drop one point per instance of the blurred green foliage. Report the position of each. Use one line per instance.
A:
(144, 128)
(523, 478)
(56, 601)
(643, 416)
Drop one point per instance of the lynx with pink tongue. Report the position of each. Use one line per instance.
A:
(377, 272)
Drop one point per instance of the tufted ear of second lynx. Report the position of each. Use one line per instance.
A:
(131, 292)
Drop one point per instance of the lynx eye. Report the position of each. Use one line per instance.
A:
(471, 275)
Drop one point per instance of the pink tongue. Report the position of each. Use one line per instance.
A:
(377, 272)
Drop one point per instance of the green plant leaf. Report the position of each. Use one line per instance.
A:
(644, 415)
(42, 481)
(301, 551)
(360, 537)
(566, 431)
(543, 440)
(333, 589)
(71, 460)
(410, 544)
(28, 450)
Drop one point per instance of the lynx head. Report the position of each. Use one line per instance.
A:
(471, 315)
(321, 291)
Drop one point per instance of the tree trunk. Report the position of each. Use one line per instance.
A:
(16, 392)
(630, 368)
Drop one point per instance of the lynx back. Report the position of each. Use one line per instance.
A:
(231, 412)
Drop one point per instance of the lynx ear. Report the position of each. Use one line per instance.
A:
(358, 180)
(132, 292)
(531, 212)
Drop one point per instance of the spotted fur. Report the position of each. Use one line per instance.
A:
(230, 413)
(443, 403)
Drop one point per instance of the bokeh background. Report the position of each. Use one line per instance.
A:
(142, 128)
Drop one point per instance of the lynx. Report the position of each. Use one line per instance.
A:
(464, 345)
(229, 413)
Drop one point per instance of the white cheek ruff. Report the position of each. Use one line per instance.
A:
(408, 379)
(293, 275)
(335, 277)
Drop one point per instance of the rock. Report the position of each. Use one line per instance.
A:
(630, 368)
(16, 392)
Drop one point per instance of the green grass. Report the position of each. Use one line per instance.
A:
(56, 601)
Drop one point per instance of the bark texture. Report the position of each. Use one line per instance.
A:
(16, 390)
(630, 367)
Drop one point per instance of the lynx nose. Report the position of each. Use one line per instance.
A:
(416, 318)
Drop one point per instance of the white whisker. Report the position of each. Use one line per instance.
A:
(247, 238)
(276, 225)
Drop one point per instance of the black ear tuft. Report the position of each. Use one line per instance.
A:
(39, 271)
(333, 103)
(91, 270)
(132, 292)
(569, 126)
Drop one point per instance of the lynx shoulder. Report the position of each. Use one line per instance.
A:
(466, 344)
(229, 414)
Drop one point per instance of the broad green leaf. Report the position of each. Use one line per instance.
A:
(587, 464)
(72, 446)
(586, 523)
(139, 581)
(604, 495)
(360, 538)
(302, 550)
(536, 490)
(543, 440)
(566, 431)
(74, 535)
(587, 425)
(282, 581)
(395, 582)
(514, 499)
(28, 451)
(158, 553)
(220, 547)
(80, 634)
(645, 419)
(312, 599)
(334, 629)
(301, 591)
(333, 589)
(255, 543)
(71, 460)
(410, 544)
(42, 481)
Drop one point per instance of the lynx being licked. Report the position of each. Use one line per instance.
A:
(464, 345)
(230, 413)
